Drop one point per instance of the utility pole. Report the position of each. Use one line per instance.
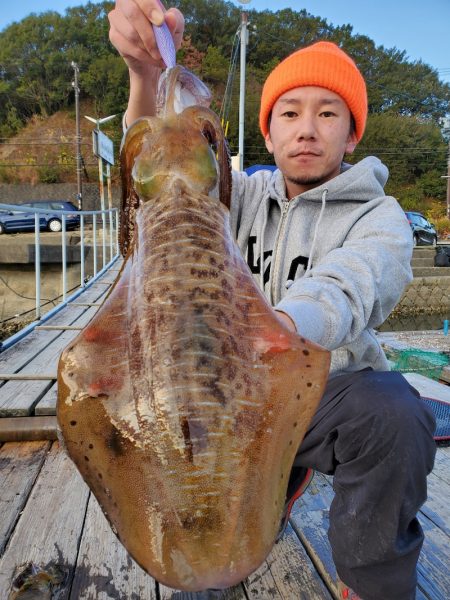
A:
(99, 122)
(78, 135)
(448, 182)
(102, 153)
(447, 177)
(244, 42)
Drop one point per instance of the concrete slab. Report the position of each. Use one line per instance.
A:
(429, 388)
(18, 248)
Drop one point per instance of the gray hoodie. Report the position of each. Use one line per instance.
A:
(336, 258)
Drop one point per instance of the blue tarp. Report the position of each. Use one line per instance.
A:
(253, 168)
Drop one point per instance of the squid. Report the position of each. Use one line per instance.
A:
(184, 400)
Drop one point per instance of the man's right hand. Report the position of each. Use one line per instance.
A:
(131, 32)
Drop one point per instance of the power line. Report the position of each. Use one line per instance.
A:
(54, 165)
(22, 296)
(39, 143)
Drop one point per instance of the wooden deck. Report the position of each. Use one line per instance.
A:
(52, 521)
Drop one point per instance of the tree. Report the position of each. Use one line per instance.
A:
(409, 146)
(406, 98)
(33, 64)
(214, 66)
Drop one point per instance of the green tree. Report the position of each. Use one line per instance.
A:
(406, 98)
(409, 146)
(106, 81)
(34, 65)
(214, 66)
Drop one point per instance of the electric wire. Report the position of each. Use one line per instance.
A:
(47, 301)
(22, 296)
(226, 100)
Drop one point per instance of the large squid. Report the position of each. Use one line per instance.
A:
(184, 400)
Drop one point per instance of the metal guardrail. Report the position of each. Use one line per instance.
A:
(113, 222)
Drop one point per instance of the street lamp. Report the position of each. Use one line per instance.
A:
(99, 122)
(244, 42)
(99, 153)
(76, 89)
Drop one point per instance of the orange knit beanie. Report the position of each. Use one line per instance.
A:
(325, 65)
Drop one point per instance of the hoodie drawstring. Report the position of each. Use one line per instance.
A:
(316, 230)
(261, 247)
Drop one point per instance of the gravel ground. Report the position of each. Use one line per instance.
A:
(423, 340)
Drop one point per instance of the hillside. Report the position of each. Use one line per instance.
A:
(44, 151)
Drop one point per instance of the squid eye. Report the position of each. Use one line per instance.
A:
(210, 138)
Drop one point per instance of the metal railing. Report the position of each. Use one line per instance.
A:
(68, 295)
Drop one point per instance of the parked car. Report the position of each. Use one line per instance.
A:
(16, 220)
(423, 231)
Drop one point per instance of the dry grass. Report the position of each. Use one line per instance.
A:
(44, 150)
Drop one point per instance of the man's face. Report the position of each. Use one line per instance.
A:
(309, 134)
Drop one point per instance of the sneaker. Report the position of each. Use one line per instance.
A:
(298, 483)
(346, 593)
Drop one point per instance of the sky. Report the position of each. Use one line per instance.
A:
(418, 28)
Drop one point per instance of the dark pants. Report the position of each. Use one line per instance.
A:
(374, 434)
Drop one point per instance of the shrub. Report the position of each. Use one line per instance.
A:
(442, 225)
(48, 174)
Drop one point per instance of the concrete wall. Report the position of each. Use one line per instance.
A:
(427, 295)
(17, 287)
(24, 192)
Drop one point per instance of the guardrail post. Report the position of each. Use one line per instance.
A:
(114, 243)
(82, 250)
(117, 232)
(94, 241)
(111, 252)
(103, 238)
(37, 262)
(64, 257)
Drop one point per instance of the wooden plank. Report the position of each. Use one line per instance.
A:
(287, 573)
(15, 358)
(59, 327)
(433, 570)
(310, 522)
(436, 508)
(18, 398)
(428, 388)
(234, 593)
(104, 568)
(27, 429)
(28, 376)
(442, 464)
(28, 348)
(84, 304)
(445, 375)
(49, 529)
(20, 464)
(47, 404)
(101, 562)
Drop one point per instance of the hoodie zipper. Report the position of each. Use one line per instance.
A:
(276, 260)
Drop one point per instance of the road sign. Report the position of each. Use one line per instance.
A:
(103, 146)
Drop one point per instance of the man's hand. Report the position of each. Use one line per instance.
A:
(132, 35)
(286, 320)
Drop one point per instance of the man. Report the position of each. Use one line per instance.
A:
(332, 254)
